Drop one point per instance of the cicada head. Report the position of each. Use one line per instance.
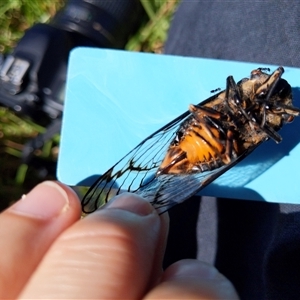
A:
(273, 95)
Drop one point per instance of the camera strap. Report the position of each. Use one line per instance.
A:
(39, 141)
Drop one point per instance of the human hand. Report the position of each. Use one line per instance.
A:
(115, 253)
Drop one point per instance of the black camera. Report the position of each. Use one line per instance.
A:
(33, 76)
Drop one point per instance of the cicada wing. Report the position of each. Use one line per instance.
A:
(135, 170)
(167, 190)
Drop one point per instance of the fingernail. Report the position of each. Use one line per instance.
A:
(132, 203)
(46, 201)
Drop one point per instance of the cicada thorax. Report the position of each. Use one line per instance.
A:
(226, 125)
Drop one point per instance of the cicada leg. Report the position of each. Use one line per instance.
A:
(268, 87)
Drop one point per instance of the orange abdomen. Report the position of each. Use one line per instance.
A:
(200, 149)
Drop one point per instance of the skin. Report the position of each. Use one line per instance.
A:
(48, 252)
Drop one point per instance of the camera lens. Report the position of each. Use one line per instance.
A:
(105, 23)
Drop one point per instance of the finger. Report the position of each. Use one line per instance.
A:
(157, 270)
(192, 279)
(107, 255)
(28, 228)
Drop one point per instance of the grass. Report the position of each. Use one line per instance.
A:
(18, 15)
(15, 17)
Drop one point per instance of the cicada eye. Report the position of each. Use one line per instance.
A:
(285, 92)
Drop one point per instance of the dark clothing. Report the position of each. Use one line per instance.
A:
(254, 244)
(252, 31)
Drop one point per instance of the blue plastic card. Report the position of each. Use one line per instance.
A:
(115, 99)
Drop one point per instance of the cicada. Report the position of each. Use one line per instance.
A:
(190, 152)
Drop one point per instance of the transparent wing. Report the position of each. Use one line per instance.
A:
(167, 190)
(134, 171)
